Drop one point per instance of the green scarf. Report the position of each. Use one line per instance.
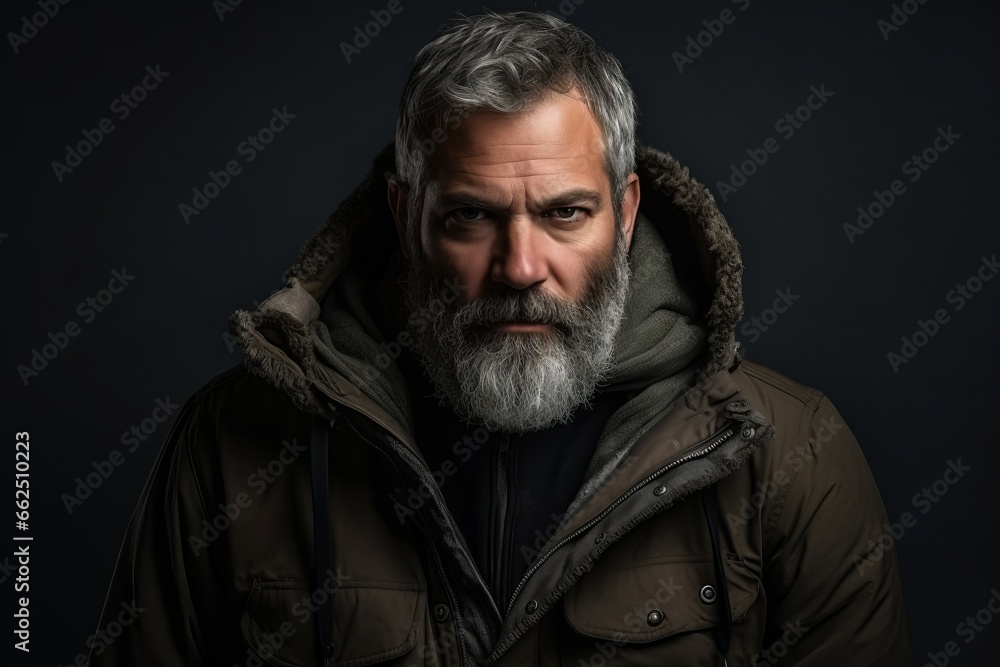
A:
(655, 351)
(659, 350)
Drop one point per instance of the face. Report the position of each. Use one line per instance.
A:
(518, 212)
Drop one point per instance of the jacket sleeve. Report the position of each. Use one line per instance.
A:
(831, 573)
(169, 597)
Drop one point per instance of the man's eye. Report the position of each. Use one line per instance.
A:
(566, 212)
(468, 214)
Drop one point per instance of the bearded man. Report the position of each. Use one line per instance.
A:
(533, 438)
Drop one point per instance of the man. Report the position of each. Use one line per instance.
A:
(532, 438)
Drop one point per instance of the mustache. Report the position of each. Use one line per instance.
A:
(530, 305)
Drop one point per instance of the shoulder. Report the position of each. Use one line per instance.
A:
(238, 395)
(811, 438)
(772, 391)
(814, 458)
(804, 417)
(234, 383)
(792, 407)
(234, 415)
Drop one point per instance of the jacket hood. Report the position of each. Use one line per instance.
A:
(360, 236)
(352, 266)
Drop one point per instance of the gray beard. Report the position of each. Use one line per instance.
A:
(518, 381)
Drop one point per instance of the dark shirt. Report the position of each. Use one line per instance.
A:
(507, 492)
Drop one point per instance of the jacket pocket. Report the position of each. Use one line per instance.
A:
(653, 612)
(373, 621)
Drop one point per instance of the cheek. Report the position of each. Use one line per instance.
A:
(568, 274)
(569, 266)
(467, 265)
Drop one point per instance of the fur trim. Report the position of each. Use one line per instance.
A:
(705, 242)
(245, 325)
(725, 273)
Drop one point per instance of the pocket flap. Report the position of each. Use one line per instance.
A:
(372, 621)
(616, 603)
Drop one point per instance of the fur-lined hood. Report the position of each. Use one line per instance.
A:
(276, 340)
(731, 562)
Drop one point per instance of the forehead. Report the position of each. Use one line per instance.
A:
(555, 141)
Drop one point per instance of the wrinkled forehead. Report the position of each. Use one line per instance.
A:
(556, 138)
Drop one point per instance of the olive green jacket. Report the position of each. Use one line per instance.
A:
(742, 528)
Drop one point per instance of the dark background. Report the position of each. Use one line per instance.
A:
(163, 335)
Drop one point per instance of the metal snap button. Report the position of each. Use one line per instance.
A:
(748, 432)
(440, 612)
(655, 617)
(531, 607)
(599, 539)
(707, 594)
(659, 490)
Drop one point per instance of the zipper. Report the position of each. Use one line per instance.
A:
(713, 442)
(436, 494)
(452, 597)
(434, 490)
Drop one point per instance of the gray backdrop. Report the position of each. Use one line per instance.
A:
(895, 79)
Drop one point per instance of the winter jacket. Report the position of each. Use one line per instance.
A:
(743, 528)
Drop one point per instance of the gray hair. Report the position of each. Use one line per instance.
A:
(505, 63)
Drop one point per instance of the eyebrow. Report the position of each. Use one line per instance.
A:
(573, 197)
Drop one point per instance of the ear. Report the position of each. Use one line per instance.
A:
(630, 207)
(397, 194)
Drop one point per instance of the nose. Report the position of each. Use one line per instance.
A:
(518, 258)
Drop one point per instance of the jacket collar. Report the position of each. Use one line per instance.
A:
(276, 341)
(278, 346)
(709, 433)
